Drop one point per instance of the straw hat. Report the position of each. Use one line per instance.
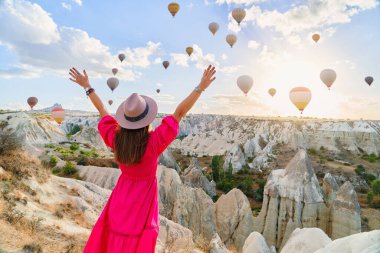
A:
(136, 112)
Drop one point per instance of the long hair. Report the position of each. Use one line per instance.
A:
(130, 145)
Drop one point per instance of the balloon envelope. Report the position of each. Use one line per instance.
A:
(32, 101)
(328, 77)
(166, 64)
(112, 83)
(189, 50)
(58, 114)
(213, 27)
(238, 14)
(245, 83)
(272, 91)
(369, 80)
(110, 102)
(121, 57)
(231, 39)
(173, 8)
(114, 71)
(316, 37)
(300, 97)
(158, 90)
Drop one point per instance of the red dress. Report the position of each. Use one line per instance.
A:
(129, 221)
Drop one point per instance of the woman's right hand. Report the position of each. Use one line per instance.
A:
(81, 79)
(207, 78)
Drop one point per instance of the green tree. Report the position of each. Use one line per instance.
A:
(216, 166)
(370, 196)
(376, 186)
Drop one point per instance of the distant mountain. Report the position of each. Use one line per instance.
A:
(48, 109)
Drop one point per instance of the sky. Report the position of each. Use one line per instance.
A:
(40, 40)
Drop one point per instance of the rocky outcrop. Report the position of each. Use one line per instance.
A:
(306, 240)
(173, 237)
(101, 176)
(292, 198)
(194, 177)
(368, 242)
(255, 243)
(166, 159)
(217, 246)
(234, 218)
(236, 158)
(346, 218)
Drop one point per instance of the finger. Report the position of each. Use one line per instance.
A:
(76, 71)
(72, 80)
(85, 74)
(213, 79)
(74, 76)
(208, 69)
(72, 71)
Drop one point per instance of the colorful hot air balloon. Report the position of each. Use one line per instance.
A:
(112, 83)
(369, 80)
(121, 57)
(173, 8)
(32, 101)
(328, 77)
(110, 102)
(166, 64)
(58, 114)
(300, 97)
(231, 39)
(158, 91)
(316, 37)
(245, 83)
(238, 14)
(114, 71)
(189, 50)
(272, 91)
(213, 27)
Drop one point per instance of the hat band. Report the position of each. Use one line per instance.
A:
(139, 117)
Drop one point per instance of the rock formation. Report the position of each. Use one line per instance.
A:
(346, 218)
(255, 243)
(166, 159)
(194, 177)
(306, 240)
(101, 176)
(292, 198)
(217, 246)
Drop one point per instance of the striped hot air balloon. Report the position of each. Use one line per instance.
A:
(58, 114)
(300, 97)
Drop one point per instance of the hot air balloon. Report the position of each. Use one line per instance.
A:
(245, 83)
(114, 71)
(316, 37)
(328, 77)
(272, 91)
(113, 82)
(58, 114)
(213, 27)
(173, 8)
(121, 57)
(166, 64)
(110, 102)
(32, 101)
(189, 50)
(300, 97)
(369, 80)
(231, 39)
(158, 91)
(238, 14)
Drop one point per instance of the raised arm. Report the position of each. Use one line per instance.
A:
(185, 106)
(82, 80)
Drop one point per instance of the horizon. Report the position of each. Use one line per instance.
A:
(40, 40)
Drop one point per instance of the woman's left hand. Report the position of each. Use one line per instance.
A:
(77, 77)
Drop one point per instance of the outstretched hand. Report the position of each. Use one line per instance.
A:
(77, 77)
(208, 77)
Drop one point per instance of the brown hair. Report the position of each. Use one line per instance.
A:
(130, 145)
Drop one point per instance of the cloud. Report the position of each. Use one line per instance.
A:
(200, 59)
(253, 44)
(164, 99)
(359, 107)
(245, 2)
(66, 6)
(224, 57)
(180, 59)
(41, 46)
(314, 14)
(78, 2)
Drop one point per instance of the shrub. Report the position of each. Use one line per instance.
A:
(50, 145)
(74, 146)
(32, 248)
(83, 160)
(360, 170)
(376, 186)
(69, 169)
(372, 158)
(73, 129)
(9, 141)
(216, 166)
(370, 196)
(53, 161)
(311, 151)
(368, 177)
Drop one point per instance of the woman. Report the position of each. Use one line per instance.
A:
(129, 221)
